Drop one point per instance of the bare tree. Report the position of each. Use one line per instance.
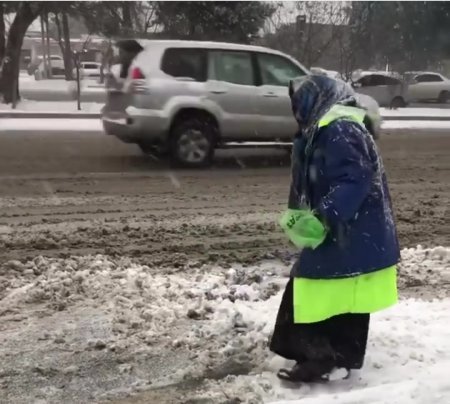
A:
(26, 13)
(47, 44)
(118, 18)
(2, 31)
(309, 30)
(45, 56)
(63, 34)
(107, 56)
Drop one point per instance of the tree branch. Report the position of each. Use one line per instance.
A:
(59, 32)
(2, 31)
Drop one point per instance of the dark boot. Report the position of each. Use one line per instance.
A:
(310, 371)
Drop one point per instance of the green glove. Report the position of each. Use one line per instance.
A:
(303, 228)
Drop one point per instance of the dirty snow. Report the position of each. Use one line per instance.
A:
(62, 318)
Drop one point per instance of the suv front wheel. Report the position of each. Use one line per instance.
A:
(193, 142)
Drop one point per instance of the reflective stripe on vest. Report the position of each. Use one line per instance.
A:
(343, 112)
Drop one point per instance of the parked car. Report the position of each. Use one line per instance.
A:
(428, 86)
(88, 69)
(388, 90)
(188, 98)
(56, 64)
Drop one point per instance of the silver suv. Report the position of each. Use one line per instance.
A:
(188, 98)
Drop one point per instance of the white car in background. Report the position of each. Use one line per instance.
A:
(89, 69)
(388, 89)
(56, 64)
(428, 86)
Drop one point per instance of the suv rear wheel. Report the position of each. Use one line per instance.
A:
(153, 150)
(443, 97)
(193, 142)
(398, 102)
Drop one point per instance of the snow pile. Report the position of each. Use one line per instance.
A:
(412, 112)
(426, 266)
(30, 85)
(223, 319)
(61, 125)
(53, 107)
(407, 362)
(415, 125)
(209, 309)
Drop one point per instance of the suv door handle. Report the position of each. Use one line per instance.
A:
(218, 91)
(270, 95)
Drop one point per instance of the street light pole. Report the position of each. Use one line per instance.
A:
(77, 60)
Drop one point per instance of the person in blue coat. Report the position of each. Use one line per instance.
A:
(340, 215)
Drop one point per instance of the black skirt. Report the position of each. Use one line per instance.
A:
(342, 338)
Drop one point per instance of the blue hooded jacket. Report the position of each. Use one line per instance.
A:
(338, 173)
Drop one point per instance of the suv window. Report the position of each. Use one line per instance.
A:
(232, 67)
(365, 81)
(428, 78)
(277, 70)
(378, 80)
(184, 62)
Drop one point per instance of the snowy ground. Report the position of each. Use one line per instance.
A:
(116, 327)
(53, 107)
(105, 255)
(56, 90)
(425, 111)
(404, 126)
(91, 89)
(95, 125)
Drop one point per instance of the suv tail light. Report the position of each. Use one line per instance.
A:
(137, 82)
(136, 74)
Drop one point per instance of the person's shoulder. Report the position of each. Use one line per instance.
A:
(342, 134)
(344, 128)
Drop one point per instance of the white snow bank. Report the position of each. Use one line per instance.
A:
(224, 319)
(53, 107)
(50, 125)
(54, 85)
(415, 112)
(408, 361)
(416, 125)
